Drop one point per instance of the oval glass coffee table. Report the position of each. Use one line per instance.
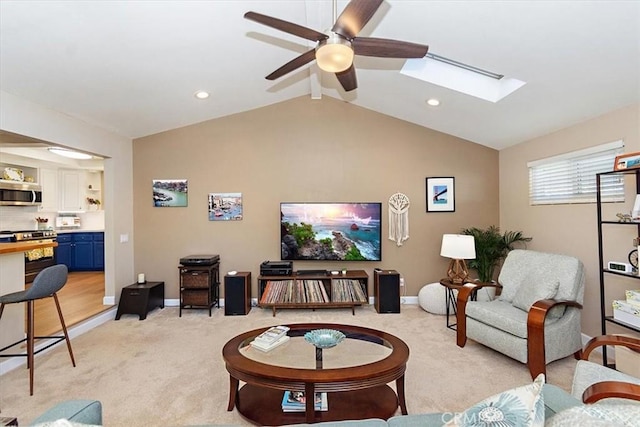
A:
(355, 374)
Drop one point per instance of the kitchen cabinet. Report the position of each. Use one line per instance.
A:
(81, 251)
(98, 251)
(63, 251)
(72, 194)
(49, 182)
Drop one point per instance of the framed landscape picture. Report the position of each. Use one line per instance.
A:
(225, 206)
(440, 194)
(170, 193)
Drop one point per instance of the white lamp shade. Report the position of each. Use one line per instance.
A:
(458, 246)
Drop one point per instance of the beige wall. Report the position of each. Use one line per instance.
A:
(570, 229)
(304, 150)
(32, 120)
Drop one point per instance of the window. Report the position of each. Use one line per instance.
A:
(571, 177)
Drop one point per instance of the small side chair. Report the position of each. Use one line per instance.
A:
(45, 285)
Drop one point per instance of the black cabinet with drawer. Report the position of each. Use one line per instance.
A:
(199, 287)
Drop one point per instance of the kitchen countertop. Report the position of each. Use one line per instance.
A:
(79, 231)
(8, 248)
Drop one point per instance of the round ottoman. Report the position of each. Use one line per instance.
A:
(432, 299)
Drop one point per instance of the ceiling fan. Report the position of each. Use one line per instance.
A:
(334, 51)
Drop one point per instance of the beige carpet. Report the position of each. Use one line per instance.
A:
(168, 370)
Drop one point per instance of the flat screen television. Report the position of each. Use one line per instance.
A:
(330, 231)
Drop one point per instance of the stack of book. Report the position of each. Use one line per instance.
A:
(271, 338)
(628, 311)
(294, 401)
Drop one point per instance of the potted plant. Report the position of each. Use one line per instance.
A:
(93, 203)
(491, 248)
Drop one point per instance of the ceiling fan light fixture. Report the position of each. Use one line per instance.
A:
(335, 54)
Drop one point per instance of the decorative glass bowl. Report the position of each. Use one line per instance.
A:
(324, 338)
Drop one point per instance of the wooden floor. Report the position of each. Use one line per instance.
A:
(80, 299)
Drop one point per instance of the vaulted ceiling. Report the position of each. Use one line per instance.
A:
(133, 66)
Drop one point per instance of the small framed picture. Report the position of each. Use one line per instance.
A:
(441, 194)
(627, 161)
(170, 193)
(225, 206)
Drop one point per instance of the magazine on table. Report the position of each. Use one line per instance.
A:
(259, 345)
(272, 334)
(294, 401)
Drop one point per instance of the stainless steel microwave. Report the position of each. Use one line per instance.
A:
(20, 194)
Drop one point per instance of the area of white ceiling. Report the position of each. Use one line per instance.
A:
(132, 67)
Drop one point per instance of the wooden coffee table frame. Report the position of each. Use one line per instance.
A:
(355, 392)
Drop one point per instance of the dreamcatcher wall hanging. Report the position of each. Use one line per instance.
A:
(398, 218)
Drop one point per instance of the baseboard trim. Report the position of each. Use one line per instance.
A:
(74, 331)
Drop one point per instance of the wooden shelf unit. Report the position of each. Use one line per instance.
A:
(302, 285)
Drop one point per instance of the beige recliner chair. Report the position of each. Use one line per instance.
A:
(536, 318)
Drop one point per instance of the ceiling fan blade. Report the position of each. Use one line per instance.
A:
(287, 27)
(386, 48)
(348, 78)
(355, 16)
(298, 62)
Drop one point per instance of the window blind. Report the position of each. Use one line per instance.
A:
(571, 177)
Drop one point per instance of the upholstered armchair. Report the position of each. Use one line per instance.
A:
(536, 318)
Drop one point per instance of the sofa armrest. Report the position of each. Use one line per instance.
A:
(607, 389)
(602, 340)
(535, 333)
(464, 294)
(78, 411)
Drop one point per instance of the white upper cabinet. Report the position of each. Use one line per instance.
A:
(49, 182)
(71, 184)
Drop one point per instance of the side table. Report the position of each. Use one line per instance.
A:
(450, 298)
(8, 421)
(140, 299)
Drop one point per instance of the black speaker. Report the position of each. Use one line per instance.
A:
(237, 294)
(386, 290)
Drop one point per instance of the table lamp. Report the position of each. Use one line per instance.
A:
(458, 247)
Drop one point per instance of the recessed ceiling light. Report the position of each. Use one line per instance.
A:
(433, 102)
(201, 94)
(69, 153)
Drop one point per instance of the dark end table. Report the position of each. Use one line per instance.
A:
(140, 299)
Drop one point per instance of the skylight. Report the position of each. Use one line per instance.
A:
(461, 77)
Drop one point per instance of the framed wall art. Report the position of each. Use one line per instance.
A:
(170, 193)
(440, 194)
(627, 161)
(225, 206)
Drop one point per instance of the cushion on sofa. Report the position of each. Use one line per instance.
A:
(529, 293)
(521, 406)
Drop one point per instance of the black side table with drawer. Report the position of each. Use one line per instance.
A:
(140, 299)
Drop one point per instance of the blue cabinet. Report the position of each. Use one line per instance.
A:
(98, 251)
(81, 251)
(63, 251)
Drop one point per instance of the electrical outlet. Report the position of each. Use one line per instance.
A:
(402, 282)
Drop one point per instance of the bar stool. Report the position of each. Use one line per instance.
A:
(45, 285)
